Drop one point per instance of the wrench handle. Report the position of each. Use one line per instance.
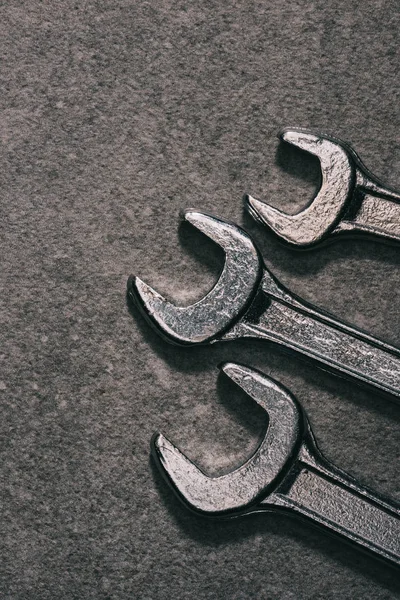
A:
(334, 345)
(334, 501)
(378, 214)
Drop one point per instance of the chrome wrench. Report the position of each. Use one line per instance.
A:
(351, 199)
(286, 473)
(248, 301)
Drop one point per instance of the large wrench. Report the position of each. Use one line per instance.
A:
(287, 472)
(351, 200)
(247, 301)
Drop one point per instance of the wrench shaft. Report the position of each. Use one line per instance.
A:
(339, 504)
(377, 215)
(318, 336)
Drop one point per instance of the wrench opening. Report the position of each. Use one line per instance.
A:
(237, 491)
(229, 298)
(319, 218)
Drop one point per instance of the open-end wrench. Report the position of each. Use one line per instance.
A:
(351, 200)
(247, 301)
(287, 472)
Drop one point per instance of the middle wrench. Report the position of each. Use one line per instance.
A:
(248, 301)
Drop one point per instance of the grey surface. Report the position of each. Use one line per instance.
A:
(115, 115)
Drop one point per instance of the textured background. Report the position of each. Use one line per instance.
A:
(116, 114)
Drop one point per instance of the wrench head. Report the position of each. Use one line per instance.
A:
(241, 490)
(316, 221)
(229, 298)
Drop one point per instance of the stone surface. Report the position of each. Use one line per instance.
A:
(114, 116)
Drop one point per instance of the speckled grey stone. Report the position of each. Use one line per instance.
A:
(114, 116)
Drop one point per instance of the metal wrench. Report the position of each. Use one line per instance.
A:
(350, 200)
(247, 301)
(286, 473)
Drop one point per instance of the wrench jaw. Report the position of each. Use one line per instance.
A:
(313, 224)
(242, 490)
(210, 317)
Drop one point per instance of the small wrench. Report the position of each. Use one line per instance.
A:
(350, 200)
(247, 301)
(288, 473)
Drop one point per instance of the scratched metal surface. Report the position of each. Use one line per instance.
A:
(115, 116)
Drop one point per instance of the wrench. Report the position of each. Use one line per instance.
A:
(350, 200)
(247, 301)
(286, 473)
